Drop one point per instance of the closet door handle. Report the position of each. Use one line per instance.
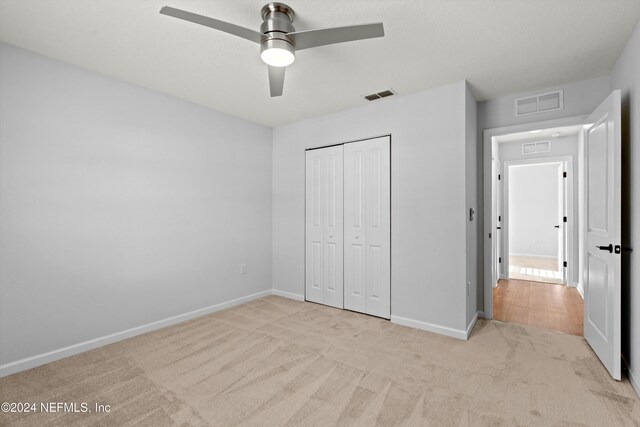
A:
(356, 237)
(556, 226)
(606, 248)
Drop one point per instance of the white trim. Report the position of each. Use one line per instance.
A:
(632, 377)
(471, 325)
(438, 329)
(534, 255)
(488, 134)
(52, 356)
(580, 290)
(289, 295)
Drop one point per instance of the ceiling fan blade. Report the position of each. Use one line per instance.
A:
(315, 38)
(276, 80)
(236, 30)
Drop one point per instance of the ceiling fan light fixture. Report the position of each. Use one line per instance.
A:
(278, 38)
(277, 53)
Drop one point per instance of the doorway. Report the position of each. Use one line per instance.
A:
(598, 251)
(536, 220)
(537, 228)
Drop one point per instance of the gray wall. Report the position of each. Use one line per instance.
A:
(428, 206)
(120, 206)
(580, 99)
(626, 76)
(471, 190)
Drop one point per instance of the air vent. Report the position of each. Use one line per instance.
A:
(544, 102)
(536, 147)
(379, 95)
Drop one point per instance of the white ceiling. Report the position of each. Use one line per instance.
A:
(500, 47)
(540, 135)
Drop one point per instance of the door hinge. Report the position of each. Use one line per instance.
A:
(564, 219)
(500, 259)
(499, 218)
(489, 235)
(499, 176)
(564, 174)
(564, 264)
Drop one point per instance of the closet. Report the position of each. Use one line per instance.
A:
(348, 226)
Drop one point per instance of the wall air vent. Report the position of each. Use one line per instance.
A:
(544, 102)
(536, 147)
(379, 95)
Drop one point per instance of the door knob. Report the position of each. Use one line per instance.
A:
(556, 226)
(331, 236)
(619, 249)
(499, 228)
(606, 248)
(356, 237)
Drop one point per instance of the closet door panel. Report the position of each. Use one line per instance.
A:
(314, 239)
(367, 177)
(333, 227)
(378, 227)
(354, 216)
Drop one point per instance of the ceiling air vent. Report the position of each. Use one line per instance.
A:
(536, 147)
(379, 95)
(549, 101)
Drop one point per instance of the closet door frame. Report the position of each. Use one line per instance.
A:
(311, 298)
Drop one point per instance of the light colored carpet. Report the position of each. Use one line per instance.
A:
(277, 362)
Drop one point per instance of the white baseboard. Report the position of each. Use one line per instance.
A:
(535, 256)
(52, 356)
(471, 325)
(632, 377)
(418, 324)
(580, 290)
(289, 295)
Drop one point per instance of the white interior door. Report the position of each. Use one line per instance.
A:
(602, 220)
(500, 244)
(561, 225)
(324, 226)
(367, 226)
(494, 220)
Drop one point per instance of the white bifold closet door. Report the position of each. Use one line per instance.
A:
(367, 227)
(324, 226)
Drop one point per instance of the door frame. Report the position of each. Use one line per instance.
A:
(488, 196)
(568, 276)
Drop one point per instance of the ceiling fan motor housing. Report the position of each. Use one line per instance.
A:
(278, 21)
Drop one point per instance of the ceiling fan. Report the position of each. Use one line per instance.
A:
(278, 39)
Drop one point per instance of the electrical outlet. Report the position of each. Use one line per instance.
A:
(243, 268)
